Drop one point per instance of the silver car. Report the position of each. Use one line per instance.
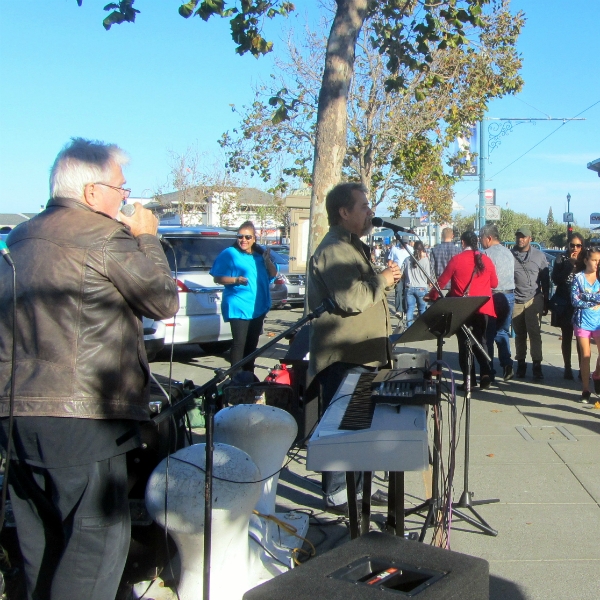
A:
(295, 282)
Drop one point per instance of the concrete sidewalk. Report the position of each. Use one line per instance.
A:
(535, 448)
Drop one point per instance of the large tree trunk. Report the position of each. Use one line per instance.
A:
(332, 121)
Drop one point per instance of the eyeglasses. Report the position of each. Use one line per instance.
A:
(575, 245)
(245, 237)
(124, 191)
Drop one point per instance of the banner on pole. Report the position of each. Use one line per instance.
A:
(468, 143)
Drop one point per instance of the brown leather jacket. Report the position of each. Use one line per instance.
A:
(83, 283)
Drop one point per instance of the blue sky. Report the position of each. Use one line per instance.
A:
(165, 83)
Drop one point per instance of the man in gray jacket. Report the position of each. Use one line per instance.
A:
(532, 286)
(354, 337)
(498, 328)
(85, 277)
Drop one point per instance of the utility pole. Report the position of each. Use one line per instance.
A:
(482, 159)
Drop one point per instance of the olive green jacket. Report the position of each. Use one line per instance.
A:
(358, 329)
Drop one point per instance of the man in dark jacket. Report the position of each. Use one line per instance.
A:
(85, 277)
(354, 337)
(532, 285)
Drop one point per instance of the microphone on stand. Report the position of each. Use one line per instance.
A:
(129, 210)
(377, 222)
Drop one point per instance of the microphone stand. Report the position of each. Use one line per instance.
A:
(209, 392)
(466, 500)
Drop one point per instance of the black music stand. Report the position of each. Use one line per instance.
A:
(439, 321)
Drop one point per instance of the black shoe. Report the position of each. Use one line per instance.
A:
(462, 387)
(485, 382)
(508, 372)
(537, 370)
(568, 374)
(585, 397)
(379, 498)
(521, 368)
(342, 509)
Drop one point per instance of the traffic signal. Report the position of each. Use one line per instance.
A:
(569, 230)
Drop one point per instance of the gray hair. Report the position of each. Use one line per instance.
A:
(490, 230)
(81, 162)
(341, 197)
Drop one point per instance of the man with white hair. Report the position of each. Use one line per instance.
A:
(85, 276)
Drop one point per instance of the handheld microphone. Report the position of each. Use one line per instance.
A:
(129, 210)
(377, 222)
(6, 253)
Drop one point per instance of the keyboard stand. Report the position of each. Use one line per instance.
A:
(395, 519)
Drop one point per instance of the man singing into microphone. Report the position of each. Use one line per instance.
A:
(354, 337)
(85, 278)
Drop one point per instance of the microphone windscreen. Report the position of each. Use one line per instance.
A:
(128, 210)
(377, 222)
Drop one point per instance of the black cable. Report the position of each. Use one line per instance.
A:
(171, 425)
(12, 397)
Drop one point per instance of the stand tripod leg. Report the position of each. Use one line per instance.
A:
(466, 496)
(352, 504)
(478, 521)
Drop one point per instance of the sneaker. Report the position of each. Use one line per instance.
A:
(585, 397)
(508, 372)
(568, 374)
(537, 370)
(521, 368)
(379, 498)
(485, 382)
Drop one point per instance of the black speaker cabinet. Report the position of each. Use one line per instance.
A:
(306, 410)
(379, 566)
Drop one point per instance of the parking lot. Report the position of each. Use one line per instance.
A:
(190, 362)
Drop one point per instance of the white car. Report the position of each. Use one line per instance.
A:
(191, 252)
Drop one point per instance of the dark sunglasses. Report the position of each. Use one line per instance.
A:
(575, 245)
(244, 237)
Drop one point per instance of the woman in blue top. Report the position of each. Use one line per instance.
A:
(246, 271)
(585, 297)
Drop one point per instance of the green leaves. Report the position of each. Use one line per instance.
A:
(122, 12)
(187, 10)
(246, 21)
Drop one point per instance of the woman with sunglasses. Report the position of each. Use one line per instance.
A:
(585, 297)
(246, 270)
(560, 304)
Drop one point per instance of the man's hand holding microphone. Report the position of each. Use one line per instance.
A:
(139, 219)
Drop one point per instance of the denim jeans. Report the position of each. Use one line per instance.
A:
(414, 296)
(498, 329)
(399, 297)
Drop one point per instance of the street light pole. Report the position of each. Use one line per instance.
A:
(482, 159)
(569, 213)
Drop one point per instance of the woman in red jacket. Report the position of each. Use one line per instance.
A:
(471, 273)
